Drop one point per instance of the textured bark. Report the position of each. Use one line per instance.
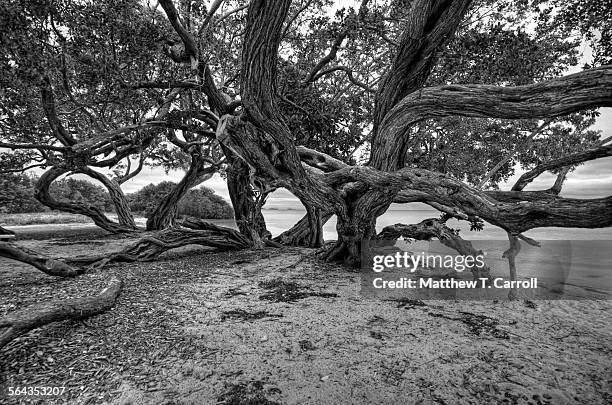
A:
(576, 158)
(150, 247)
(260, 136)
(435, 228)
(358, 224)
(430, 24)
(315, 225)
(20, 322)
(358, 195)
(552, 98)
(122, 208)
(165, 213)
(515, 212)
(301, 234)
(246, 204)
(45, 264)
(319, 160)
(42, 194)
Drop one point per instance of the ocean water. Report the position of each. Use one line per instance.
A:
(281, 220)
(581, 257)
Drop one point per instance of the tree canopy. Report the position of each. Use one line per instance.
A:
(351, 108)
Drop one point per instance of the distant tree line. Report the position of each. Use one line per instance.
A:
(17, 196)
(201, 202)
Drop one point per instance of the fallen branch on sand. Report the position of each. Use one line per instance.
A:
(45, 264)
(22, 321)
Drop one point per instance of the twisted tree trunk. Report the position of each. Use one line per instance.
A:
(246, 204)
(356, 225)
(122, 208)
(308, 231)
(43, 195)
(165, 213)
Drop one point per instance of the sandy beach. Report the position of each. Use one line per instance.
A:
(277, 326)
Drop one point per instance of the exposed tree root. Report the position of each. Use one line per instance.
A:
(22, 321)
(301, 234)
(341, 252)
(47, 265)
(194, 232)
(435, 228)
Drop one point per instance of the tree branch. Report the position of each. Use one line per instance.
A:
(513, 211)
(333, 52)
(48, 104)
(47, 265)
(435, 228)
(20, 322)
(16, 146)
(189, 43)
(170, 84)
(349, 74)
(319, 160)
(213, 9)
(430, 24)
(509, 156)
(552, 98)
(569, 160)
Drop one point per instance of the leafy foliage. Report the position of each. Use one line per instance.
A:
(201, 202)
(94, 55)
(17, 194)
(83, 192)
(204, 203)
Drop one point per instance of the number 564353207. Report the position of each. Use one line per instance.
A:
(35, 391)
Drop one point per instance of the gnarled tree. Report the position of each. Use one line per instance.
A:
(379, 104)
(359, 194)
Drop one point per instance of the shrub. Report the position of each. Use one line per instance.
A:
(17, 195)
(201, 202)
(81, 191)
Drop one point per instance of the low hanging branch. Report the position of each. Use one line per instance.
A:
(150, 247)
(43, 195)
(513, 211)
(435, 228)
(569, 160)
(22, 321)
(45, 264)
(552, 98)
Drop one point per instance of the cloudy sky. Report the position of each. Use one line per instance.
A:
(591, 180)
